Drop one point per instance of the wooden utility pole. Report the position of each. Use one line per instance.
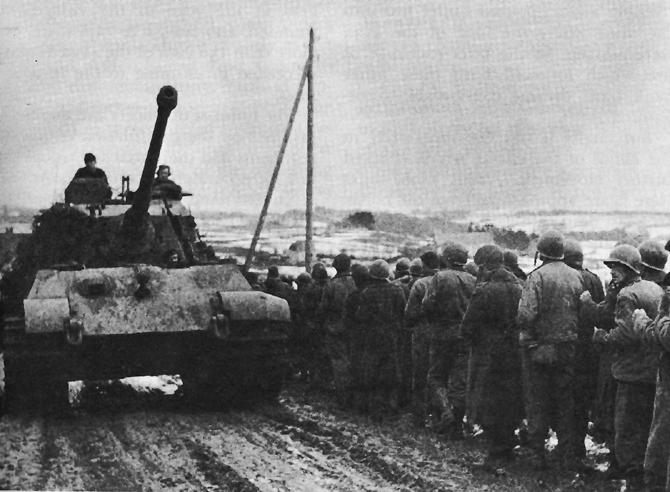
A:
(280, 157)
(310, 153)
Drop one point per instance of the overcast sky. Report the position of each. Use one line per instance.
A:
(458, 104)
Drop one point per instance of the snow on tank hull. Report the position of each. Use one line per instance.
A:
(202, 322)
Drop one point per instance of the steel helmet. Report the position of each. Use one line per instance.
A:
(416, 267)
(574, 256)
(489, 256)
(430, 260)
(551, 245)
(402, 265)
(455, 253)
(625, 255)
(341, 262)
(380, 269)
(653, 255)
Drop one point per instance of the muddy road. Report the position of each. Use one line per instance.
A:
(303, 443)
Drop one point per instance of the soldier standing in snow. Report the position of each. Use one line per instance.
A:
(361, 276)
(380, 318)
(444, 304)
(318, 374)
(422, 331)
(586, 359)
(495, 393)
(634, 364)
(331, 309)
(549, 321)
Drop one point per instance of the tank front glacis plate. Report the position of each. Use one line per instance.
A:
(126, 300)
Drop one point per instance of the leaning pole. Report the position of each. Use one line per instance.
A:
(310, 153)
(273, 180)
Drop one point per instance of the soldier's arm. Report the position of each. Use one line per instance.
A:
(475, 315)
(430, 299)
(414, 308)
(623, 333)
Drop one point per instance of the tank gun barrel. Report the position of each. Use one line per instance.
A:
(167, 101)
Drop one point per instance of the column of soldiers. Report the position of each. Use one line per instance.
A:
(461, 344)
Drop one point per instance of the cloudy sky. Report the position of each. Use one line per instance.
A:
(460, 104)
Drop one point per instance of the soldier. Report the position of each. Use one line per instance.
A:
(495, 394)
(275, 286)
(586, 359)
(634, 364)
(361, 276)
(90, 170)
(511, 262)
(549, 319)
(164, 186)
(414, 273)
(421, 336)
(379, 317)
(444, 304)
(300, 340)
(401, 268)
(319, 375)
(331, 309)
(654, 257)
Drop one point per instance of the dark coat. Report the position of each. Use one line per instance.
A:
(447, 299)
(495, 382)
(379, 319)
(331, 307)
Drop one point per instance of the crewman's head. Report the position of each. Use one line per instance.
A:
(90, 161)
(163, 171)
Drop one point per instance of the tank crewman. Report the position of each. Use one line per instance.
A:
(548, 320)
(586, 359)
(444, 304)
(319, 373)
(164, 186)
(361, 276)
(380, 318)
(422, 333)
(634, 364)
(90, 170)
(511, 262)
(95, 188)
(495, 391)
(336, 338)
(656, 333)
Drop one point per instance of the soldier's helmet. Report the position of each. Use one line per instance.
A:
(625, 255)
(510, 259)
(319, 271)
(416, 267)
(360, 272)
(489, 256)
(455, 253)
(430, 260)
(380, 269)
(402, 265)
(653, 255)
(341, 262)
(304, 278)
(551, 245)
(573, 254)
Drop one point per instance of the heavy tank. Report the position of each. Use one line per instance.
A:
(110, 288)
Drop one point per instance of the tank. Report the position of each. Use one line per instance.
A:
(107, 288)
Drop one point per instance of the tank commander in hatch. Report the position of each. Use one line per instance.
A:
(90, 170)
(164, 186)
(89, 184)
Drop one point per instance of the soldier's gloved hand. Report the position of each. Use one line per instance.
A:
(599, 337)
